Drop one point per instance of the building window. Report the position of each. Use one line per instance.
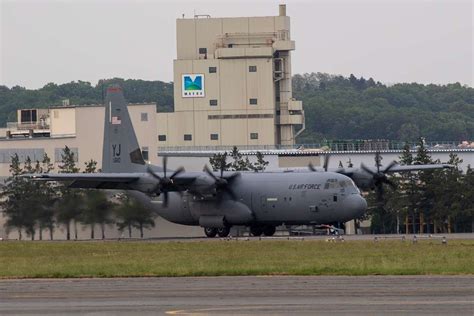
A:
(214, 136)
(162, 138)
(188, 137)
(253, 135)
(213, 102)
(253, 101)
(145, 153)
(202, 50)
(28, 116)
(144, 117)
(252, 68)
(212, 70)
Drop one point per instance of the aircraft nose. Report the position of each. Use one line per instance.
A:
(356, 205)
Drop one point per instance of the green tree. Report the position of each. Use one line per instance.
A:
(90, 166)
(238, 163)
(93, 201)
(12, 198)
(426, 183)
(408, 188)
(131, 213)
(97, 210)
(48, 196)
(69, 208)
(448, 195)
(468, 197)
(261, 164)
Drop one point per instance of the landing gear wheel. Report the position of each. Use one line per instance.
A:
(269, 230)
(256, 230)
(210, 232)
(223, 232)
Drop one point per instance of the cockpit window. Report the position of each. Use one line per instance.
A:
(345, 183)
(336, 184)
(331, 184)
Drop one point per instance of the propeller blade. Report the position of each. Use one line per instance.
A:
(232, 177)
(311, 167)
(165, 165)
(209, 172)
(152, 173)
(177, 171)
(326, 162)
(366, 169)
(377, 161)
(165, 199)
(390, 166)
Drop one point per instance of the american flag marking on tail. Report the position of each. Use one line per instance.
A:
(116, 120)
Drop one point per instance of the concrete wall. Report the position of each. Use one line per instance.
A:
(63, 121)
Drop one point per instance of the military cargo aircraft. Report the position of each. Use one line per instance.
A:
(215, 200)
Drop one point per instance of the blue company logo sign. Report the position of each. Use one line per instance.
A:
(192, 86)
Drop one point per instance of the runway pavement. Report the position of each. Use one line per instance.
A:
(272, 295)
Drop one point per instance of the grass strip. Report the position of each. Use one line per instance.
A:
(215, 258)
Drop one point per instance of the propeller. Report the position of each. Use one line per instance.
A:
(380, 176)
(223, 184)
(325, 164)
(165, 184)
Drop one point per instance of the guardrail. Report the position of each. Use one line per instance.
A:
(369, 145)
(27, 126)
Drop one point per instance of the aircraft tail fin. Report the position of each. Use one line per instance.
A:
(121, 151)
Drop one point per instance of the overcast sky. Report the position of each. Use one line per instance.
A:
(392, 41)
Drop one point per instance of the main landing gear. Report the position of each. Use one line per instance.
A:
(265, 230)
(254, 231)
(212, 232)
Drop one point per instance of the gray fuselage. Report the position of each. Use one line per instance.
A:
(266, 198)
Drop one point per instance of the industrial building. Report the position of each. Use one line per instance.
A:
(232, 84)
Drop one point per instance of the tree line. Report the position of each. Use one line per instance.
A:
(82, 93)
(336, 107)
(430, 201)
(33, 207)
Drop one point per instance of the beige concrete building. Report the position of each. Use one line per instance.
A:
(40, 131)
(232, 84)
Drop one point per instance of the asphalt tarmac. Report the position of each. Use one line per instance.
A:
(269, 295)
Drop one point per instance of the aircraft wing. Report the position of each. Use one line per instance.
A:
(407, 168)
(91, 180)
